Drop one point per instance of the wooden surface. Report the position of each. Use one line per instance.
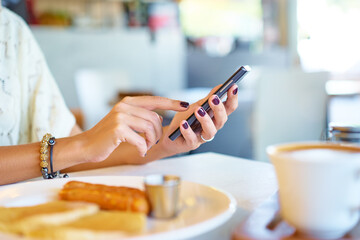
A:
(79, 116)
(265, 223)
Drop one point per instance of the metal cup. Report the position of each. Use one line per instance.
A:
(163, 193)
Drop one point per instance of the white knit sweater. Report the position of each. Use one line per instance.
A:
(30, 101)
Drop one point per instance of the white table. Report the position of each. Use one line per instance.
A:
(250, 182)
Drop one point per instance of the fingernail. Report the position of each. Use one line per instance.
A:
(201, 112)
(184, 104)
(235, 91)
(145, 155)
(157, 141)
(185, 125)
(216, 100)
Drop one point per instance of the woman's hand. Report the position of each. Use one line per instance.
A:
(210, 122)
(131, 120)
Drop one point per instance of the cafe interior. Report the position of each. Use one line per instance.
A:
(303, 56)
(304, 86)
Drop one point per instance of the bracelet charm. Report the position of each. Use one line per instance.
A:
(48, 140)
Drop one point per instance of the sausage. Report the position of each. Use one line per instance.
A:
(107, 197)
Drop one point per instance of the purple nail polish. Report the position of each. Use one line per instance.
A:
(201, 112)
(216, 100)
(185, 125)
(235, 91)
(157, 141)
(184, 104)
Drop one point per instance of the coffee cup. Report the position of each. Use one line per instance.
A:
(319, 186)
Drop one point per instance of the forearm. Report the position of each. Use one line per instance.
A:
(126, 153)
(21, 162)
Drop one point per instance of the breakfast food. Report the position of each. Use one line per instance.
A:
(25, 219)
(80, 217)
(107, 197)
(102, 225)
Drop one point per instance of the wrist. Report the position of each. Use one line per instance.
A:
(159, 151)
(166, 148)
(81, 145)
(69, 151)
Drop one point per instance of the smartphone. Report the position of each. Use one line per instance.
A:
(235, 78)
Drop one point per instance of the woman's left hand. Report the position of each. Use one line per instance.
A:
(210, 122)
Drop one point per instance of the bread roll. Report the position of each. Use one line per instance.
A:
(107, 197)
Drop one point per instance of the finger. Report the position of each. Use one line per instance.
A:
(156, 102)
(128, 135)
(139, 125)
(201, 101)
(148, 115)
(232, 100)
(207, 125)
(190, 138)
(218, 111)
(142, 126)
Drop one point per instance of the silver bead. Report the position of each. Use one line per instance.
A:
(44, 172)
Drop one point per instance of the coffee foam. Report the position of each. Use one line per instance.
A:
(321, 154)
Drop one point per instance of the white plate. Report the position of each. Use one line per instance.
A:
(203, 208)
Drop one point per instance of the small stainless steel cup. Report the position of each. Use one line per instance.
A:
(163, 193)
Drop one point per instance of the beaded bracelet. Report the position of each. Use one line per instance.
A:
(44, 155)
(46, 141)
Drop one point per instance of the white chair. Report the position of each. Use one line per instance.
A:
(290, 106)
(96, 89)
(344, 101)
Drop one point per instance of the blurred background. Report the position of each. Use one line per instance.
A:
(304, 55)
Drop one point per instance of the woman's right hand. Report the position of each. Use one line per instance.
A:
(131, 120)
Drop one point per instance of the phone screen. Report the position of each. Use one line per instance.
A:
(235, 78)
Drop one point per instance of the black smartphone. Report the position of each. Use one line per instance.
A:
(235, 78)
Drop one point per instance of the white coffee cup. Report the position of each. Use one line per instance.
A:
(319, 186)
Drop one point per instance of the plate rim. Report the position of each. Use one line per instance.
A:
(180, 233)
